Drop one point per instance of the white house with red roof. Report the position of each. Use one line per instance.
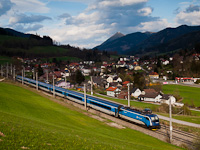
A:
(113, 91)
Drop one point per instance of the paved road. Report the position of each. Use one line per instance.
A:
(180, 122)
(191, 85)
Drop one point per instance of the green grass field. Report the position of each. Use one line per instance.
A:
(31, 121)
(190, 95)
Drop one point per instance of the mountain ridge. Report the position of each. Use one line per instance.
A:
(139, 42)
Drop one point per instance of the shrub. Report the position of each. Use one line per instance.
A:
(198, 81)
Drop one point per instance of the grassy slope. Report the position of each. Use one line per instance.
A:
(32, 121)
(190, 94)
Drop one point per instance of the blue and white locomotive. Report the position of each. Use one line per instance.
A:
(142, 117)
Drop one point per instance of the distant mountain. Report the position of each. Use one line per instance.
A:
(114, 37)
(166, 40)
(123, 43)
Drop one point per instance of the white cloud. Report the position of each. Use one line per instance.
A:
(131, 2)
(191, 18)
(33, 6)
(145, 11)
(153, 25)
(190, 15)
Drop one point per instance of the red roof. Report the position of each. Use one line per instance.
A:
(111, 89)
(74, 64)
(153, 73)
(58, 73)
(126, 82)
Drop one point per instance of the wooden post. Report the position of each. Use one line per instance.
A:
(37, 80)
(85, 100)
(91, 86)
(53, 88)
(170, 121)
(128, 94)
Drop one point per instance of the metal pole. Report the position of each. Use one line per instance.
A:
(24, 71)
(65, 81)
(7, 71)
(128, 94)
(14, 73)
(47, 76)
(85, 100)
(91, 86)
(2, 70)
(170, 120)
(33, 74)
(37, 80)
(53, 88)
(22, 77)
(11, 71)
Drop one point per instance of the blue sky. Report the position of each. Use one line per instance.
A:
(87, 23)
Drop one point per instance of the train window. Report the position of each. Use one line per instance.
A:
(100, 105)
(147, 118)
(58, 91)
(156, 117)
(75, 97)
(153, 118)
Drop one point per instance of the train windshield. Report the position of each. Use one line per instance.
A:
(154, 119)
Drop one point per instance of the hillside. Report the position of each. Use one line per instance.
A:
(167, 40)
(124, 43)
(30, 121)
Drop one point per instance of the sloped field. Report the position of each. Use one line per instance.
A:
(30, 121)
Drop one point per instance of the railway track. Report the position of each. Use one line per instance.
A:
(178, 136)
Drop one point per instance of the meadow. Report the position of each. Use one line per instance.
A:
(30, 121)
(190, 95)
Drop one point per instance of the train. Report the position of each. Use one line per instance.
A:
(144, 117)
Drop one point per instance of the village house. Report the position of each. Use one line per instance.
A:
(154, 75)
(123, 95)
(86, 71)
(166, 98)
(113, 91)
(97, 81)
(135, 92)
(63, 84)
(109, 79)
(137, 68)
(117, 79)
(114, 84)
(149, 95)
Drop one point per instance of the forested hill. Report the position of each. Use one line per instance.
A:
(14, 43)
